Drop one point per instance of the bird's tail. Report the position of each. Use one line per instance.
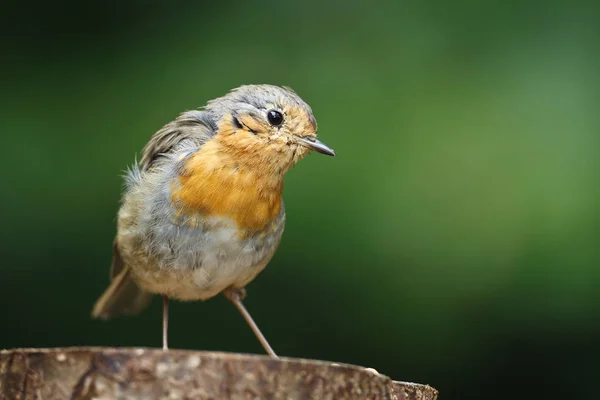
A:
(122, 297)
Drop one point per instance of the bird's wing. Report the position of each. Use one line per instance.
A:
(123, 296)
(195, 125)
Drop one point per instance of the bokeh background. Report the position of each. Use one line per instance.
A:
(453, 241)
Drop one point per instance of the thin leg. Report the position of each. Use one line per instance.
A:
(236, 296)
(165, 321)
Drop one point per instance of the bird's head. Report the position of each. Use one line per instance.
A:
(269, 126)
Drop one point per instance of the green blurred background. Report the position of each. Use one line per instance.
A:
(453, 241)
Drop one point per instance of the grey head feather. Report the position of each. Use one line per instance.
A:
(255, 100)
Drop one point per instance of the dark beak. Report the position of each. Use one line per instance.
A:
(316, 145)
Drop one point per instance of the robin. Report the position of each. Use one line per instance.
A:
(202, 212)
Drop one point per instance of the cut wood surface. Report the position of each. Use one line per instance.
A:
(141, 373)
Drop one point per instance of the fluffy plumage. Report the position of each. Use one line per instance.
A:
(202, 211)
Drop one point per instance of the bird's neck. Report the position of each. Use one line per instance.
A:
(223, 183)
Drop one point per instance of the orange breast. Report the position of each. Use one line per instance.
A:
(215, 183)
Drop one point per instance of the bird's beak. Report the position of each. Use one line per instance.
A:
(315, 144)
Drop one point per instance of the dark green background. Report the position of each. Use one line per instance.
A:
(453, 241)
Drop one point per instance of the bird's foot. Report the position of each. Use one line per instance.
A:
(235, 294)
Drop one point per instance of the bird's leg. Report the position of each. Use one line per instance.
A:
(165, 299)
(236, 295)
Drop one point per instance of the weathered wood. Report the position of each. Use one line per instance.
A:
(125, 373)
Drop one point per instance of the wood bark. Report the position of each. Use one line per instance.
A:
(125, 373)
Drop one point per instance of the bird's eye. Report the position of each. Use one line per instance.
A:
(275, 117)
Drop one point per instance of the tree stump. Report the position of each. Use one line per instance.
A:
(125, 373)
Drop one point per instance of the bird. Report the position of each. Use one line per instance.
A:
(202, 213)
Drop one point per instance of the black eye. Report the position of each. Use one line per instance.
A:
(275, 117)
